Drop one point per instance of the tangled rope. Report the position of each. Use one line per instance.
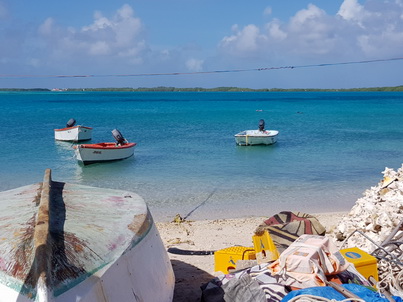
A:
(391, 278)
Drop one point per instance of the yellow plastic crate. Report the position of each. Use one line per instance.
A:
(365, 264)
(225, 259)
(265, 249)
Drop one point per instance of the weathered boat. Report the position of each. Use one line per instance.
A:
(65, 242)
(102, 152)
(256, 137)
(72, 133)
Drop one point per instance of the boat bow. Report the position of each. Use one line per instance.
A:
(67, 242)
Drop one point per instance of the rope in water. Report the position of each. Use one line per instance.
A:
(199, 72)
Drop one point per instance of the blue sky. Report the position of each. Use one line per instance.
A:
(42, 39)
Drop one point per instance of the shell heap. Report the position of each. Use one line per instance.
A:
(376, 214)
(373, 219)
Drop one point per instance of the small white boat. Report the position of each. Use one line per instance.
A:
(102, 152)
(256, 137)
(73, 133)
(64, 242)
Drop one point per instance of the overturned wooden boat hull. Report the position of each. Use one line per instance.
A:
(256, 137)
(73, 134)
(103, 152)
(67, 242)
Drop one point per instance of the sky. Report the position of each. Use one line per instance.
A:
(201, 43)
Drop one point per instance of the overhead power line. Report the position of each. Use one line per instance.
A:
(198, 72)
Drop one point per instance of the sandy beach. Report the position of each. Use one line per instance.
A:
(191, 271)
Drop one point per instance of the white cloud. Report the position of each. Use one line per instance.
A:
(194, 65)
(351, 10)
(372, 29)
(245, 41)
(117, 42)
(99, 48)
(47, 27)
(379, 26)
(307, 31)
(307, 19)
(312, 31)
(274, 30)
(100, 23)
(116, 37)
(267, 11)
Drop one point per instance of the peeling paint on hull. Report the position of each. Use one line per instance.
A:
(85, 244)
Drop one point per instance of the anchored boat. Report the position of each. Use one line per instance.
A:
(102, 152)
(65, 242)
(72, 133)
(256, 137)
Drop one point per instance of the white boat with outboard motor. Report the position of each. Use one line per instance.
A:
(257, 137)
(63, 242)
(103, 152)
(72, 133)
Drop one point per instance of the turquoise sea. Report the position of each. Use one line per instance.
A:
(332, 146)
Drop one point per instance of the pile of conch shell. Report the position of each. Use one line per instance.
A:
(375, 221)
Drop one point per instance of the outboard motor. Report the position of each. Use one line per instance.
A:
(118, 136)
(71, 123)
(261, 125)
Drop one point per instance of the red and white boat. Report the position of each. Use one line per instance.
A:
(102, 152)
(73, 133)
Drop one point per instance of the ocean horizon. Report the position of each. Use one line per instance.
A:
(331, 147)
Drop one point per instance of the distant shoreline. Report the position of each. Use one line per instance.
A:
(199, 89)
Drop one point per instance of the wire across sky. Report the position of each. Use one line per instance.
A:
(199, 72)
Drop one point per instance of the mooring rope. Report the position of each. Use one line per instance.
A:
(202, 203)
